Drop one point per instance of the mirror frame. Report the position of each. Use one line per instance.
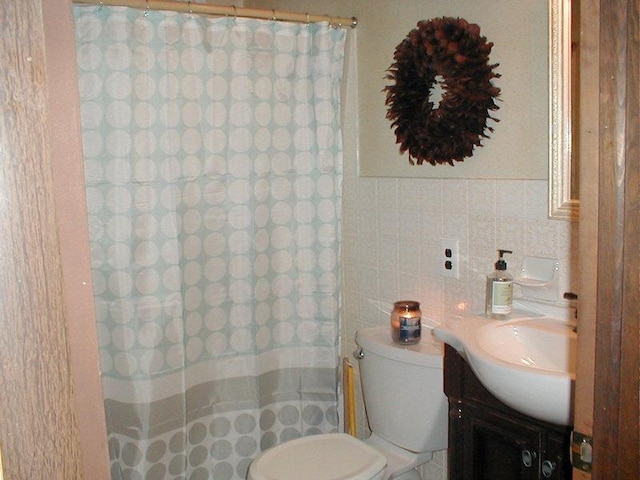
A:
(561, 205)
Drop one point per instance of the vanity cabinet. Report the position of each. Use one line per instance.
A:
(490, 441)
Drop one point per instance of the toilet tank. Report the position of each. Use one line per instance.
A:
(403, 390)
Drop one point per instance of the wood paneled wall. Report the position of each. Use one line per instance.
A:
(617, 360)
(38, 431)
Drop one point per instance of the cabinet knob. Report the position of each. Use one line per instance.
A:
(528, 458)
(548, 467)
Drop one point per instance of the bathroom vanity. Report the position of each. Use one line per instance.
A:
(490, 441)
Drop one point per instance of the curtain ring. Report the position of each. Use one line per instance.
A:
(190, 8)
(148, 9)
(100, 6)
(274, 18)
(307, 22)
(235, 13)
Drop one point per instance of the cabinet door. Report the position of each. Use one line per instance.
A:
(497, 447)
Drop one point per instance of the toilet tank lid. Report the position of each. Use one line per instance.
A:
(331, 456)
(427, 353)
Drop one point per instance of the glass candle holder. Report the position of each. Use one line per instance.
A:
(405, 322)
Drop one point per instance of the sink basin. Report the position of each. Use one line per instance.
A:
(541, 344)
(527, 362)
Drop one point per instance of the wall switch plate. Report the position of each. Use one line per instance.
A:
(449, 258)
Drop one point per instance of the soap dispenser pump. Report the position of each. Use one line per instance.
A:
(499, 289)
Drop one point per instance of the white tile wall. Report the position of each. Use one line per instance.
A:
(392, 239)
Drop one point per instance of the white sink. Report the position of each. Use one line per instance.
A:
(527, 362)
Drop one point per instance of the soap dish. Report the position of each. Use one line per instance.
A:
(538, 278)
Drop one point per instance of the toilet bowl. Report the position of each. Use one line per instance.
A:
(406, 409)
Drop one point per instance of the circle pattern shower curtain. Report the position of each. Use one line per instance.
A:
(213, 163)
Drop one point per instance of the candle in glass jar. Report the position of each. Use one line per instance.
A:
(405, 322)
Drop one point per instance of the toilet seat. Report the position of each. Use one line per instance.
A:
(331, 456)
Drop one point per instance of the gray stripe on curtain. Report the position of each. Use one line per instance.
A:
(219, 396)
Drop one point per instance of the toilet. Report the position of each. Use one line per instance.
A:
(406, 410)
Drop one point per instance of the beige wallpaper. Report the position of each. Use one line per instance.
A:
(518, 146)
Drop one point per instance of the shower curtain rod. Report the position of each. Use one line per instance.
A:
(225, 10)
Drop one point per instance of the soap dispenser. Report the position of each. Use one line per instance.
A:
(499, 289)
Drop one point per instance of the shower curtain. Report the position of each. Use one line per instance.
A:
(213, 162)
